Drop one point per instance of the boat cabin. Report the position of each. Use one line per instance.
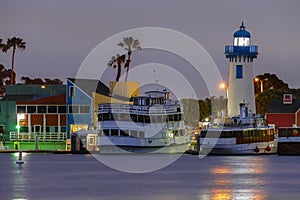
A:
(152, 98)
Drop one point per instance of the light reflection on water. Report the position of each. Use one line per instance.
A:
(64, 177)
(19, 180)
(239, 194)
(235, 180)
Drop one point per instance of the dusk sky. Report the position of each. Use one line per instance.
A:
(60, 34)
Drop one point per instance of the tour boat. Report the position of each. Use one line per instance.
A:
(152, 123)
(289, 141)
(238, 135)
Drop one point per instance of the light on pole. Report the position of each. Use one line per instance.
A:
(223, 86)
(261, 83)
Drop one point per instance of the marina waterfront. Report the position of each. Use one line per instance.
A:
(70, 176)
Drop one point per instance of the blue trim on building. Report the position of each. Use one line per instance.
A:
(78, 99)
(233, 51)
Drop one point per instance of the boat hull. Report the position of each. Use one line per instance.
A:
(289, 148)
(239, 149)
(122, 145)
(171, 149)
(289, 145)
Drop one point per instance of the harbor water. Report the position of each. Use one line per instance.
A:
(68, 176)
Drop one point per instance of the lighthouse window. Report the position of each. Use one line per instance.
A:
(239, 71)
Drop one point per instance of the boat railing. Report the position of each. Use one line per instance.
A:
(132, 109)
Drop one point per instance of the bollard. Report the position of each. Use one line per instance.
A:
(20, 161)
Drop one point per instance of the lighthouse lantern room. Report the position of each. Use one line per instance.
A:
(240, 83)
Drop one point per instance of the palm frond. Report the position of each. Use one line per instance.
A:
(121, 44)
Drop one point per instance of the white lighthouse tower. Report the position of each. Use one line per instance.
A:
(240, 84)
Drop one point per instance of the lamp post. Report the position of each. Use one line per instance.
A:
(261, 83)
(223, 86)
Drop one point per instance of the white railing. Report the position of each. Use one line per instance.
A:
(134, 109)
(45, 137)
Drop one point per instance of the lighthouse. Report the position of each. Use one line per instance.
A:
(240, 83)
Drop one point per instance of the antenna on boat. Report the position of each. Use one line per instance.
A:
(155, 79)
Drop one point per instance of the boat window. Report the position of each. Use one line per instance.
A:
(133, 133)
(105, 116)
(147, 102)
(124, 117)
(176, 133)
(124, 133)
(133, 117)
(111, 116)
(170, 118)
(114, 132)
(106, 132)
(147, 119)
(203, 133)
(181, 132)
(159, 119)
(141, 134)
(153, 118)
(140, 118)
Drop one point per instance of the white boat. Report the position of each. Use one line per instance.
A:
(236, 136)
(289, 141)
(152, 123)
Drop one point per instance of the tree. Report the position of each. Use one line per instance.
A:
(14, 43)
(273, 88)
(129, 44)
(270, 81)
(203, 109)
(116, 62)
(1, 44)
(262, 100)
(4, 78)
(38, 81)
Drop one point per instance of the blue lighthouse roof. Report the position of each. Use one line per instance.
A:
(242, 32)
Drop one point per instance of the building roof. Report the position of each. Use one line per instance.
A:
(40, 91)
(277, 106)
(242, 32)
(17, 97)
(91, 85)
(59, 99)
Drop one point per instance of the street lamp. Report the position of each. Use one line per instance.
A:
(223, 86)
(261, 83)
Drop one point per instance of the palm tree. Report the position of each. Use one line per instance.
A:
(4, 78)
(1, 44)
(129, 44)
(116, 62)
(14, 43)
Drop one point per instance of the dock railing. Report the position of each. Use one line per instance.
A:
(43, 137)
